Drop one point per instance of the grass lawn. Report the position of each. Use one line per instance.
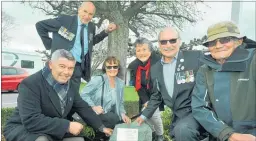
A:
(129, 93)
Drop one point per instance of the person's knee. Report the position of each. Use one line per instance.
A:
(183, 130)
(42, 138)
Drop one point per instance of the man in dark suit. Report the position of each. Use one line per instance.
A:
(46, 102)
(173, 81)
(75, 34)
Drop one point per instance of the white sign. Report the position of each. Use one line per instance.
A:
(124, 134)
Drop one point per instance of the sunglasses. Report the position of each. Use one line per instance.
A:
(171, 41)
(223, 40)
(111, 67)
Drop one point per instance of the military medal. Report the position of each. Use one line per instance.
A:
(66, 34)
(182, 77)
(191, 74)
(178, 78)
(187, 76)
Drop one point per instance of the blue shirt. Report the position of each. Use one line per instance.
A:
(168, 73)
(76, 50)
(109, 100)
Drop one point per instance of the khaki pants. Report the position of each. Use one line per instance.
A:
(156, 122)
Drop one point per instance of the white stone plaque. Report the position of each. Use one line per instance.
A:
(125, 134)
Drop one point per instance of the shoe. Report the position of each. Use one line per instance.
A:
(159, 138)
(153, 136)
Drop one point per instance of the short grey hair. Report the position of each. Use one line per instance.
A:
(142, 40)
(62, 53)
(173, 29)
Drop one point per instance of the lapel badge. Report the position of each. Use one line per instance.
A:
(181, 60)
(90, 37)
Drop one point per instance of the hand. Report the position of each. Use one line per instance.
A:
(241, 137)
(126, 119)
(108, 131)
(98, 109)
(139, 120)
(75, 128)
(145, 104)
(111, 27)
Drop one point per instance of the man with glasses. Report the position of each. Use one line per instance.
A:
(173, 82)
(224, 97)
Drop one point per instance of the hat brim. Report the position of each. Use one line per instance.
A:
(214, 37)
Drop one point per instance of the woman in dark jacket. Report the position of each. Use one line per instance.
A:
(140, 77)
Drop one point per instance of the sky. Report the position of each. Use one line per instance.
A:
(25, 37)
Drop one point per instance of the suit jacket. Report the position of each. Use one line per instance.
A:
(180, 102)
(39, 112)
(59, 42)
(92, 93)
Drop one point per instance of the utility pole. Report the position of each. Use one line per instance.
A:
(235, 11)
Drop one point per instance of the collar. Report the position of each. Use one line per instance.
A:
(238, 61)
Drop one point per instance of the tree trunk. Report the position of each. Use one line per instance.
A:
(118, 41)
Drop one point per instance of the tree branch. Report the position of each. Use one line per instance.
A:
(134, 30)
(169, 15)
(133, 10)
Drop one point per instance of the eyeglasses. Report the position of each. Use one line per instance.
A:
(171, 41)
(112, 67)
(223, 40)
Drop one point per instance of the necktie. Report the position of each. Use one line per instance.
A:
(82, 46)
(85, 59)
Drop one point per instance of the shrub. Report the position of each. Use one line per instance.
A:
(131, 109)
(166, 118)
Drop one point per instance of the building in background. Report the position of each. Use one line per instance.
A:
(30, 61)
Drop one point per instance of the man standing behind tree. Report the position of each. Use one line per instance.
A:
(75, 34)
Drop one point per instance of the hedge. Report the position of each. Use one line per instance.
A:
(131, 109)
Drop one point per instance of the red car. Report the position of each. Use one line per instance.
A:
(11, 78)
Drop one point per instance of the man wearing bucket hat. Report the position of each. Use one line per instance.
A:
(224, 99)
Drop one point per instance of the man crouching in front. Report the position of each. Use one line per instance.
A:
(46, 100)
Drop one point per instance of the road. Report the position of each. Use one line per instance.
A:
(9, 99)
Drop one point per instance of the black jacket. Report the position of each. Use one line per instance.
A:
(59, 42)
(38, 111)
(180, 102)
